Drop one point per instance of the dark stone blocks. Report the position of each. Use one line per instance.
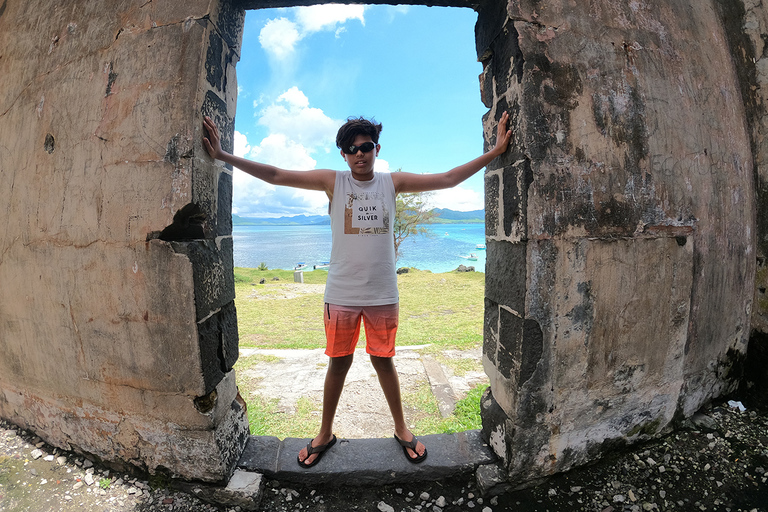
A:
(513, 199)
(508, 62)
(218, 340)
(510, 341)
(211, 354)
(505, 274)
(516, 346)
(517, 179)
(227, 319)
(491, 330)
(212, 190)
(494, 416)
(216, 108)
(230, 23)
(214, 69)
(214, 286)
(492, 184)
(224, 205)
(532, 349)
(212, 265)
(224, 45)
(491, 17)
(520, 343)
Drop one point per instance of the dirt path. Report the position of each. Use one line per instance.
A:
(362, 411)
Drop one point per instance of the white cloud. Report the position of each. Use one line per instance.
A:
(381, 165)
(457, 198)
(255, 197)
(278, 37)
(247, 191)
(249, 194)
(295, 131)
(241, 147)
(393, 11)
(292, 116)
(325, 17)
(278, 150)
(294, 97)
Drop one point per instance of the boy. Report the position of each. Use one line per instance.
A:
(362, 279)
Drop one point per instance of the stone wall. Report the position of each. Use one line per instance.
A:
(621, 226)
(747, 29)
(117, 325)
(626, 231)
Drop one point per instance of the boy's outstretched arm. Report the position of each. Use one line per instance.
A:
(409, 182)
(318, 179)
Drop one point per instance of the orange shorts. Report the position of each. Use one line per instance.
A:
(342, 329)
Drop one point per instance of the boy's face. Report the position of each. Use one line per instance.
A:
(361, 162)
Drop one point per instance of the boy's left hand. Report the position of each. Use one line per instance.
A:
(503, 135)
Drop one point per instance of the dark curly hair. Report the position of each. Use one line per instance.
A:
(357, 126)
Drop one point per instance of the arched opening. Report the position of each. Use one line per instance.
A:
(435, 125)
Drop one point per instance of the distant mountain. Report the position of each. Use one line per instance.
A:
(446, 216)
(294, 220)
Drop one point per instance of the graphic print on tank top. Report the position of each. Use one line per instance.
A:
(365, 213)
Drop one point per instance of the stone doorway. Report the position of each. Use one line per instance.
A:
(427, 107)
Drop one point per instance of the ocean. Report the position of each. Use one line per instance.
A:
(286, 246)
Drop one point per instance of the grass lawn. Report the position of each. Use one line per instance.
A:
(440, 309)
(444, 311)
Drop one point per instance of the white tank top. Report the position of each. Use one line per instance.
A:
(362, 270)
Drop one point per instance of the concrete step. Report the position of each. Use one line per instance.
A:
(367, 461)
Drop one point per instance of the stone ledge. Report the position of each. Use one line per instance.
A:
(367, 461)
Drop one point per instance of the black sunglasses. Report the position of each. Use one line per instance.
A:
(364, 147)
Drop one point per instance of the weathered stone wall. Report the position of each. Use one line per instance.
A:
(117, 325)
(747, 29)
(621, 226)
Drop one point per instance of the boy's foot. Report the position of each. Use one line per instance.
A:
(311, 455)
(414, 450)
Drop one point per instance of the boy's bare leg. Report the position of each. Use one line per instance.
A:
(390, 384)
(334, 384)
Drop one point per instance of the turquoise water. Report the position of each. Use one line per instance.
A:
(285, 246)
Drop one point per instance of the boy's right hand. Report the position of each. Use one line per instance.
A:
(212, 143)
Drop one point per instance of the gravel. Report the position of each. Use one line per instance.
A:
(718, 463)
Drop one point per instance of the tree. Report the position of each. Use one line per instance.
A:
(412, 213)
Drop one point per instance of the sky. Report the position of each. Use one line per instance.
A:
(304, 70)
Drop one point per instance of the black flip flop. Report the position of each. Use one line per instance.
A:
(412, 446)
(320, 450)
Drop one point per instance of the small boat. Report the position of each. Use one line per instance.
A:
(323, 264)
(480, 247)
(300, 266)
(471, 257)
